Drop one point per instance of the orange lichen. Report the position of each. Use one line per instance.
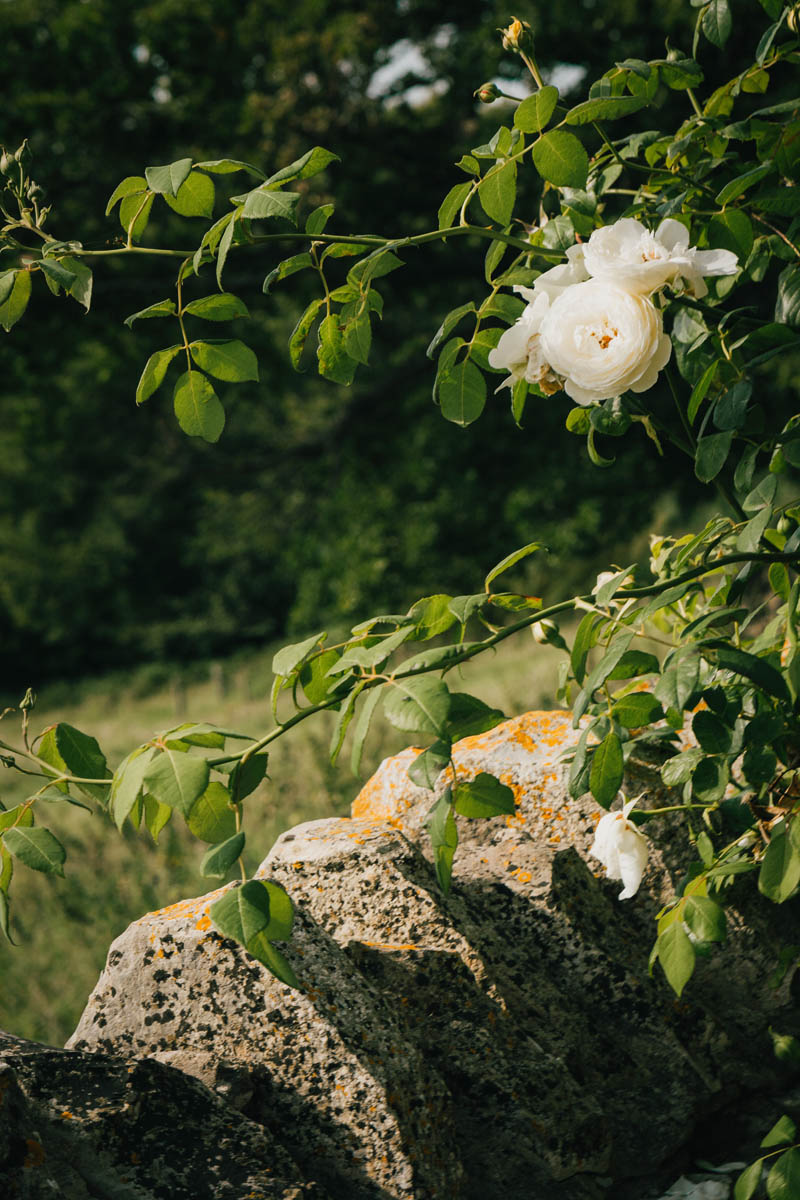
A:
(35, 1155)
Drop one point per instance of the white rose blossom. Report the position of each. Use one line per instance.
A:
(629, 255)
(590, 326)
(621, 848)
(603, 340)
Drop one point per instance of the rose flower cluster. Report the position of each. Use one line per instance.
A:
(591, 327)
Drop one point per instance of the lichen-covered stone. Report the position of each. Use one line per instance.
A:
(87, 1127)
(506, 1041)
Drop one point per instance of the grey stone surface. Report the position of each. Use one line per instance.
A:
(77, 1126)
(504, 1042)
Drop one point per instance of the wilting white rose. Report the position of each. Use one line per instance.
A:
(630, 256)
(519, 349)
(621, 848)
(603, 340)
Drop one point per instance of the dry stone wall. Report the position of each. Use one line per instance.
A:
(506, 1041)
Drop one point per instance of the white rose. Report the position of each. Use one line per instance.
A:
(519, 350)
(621, 848)
(554, 281)
(603, 340)
(629, 255)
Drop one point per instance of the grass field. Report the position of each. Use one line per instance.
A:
(64, 926)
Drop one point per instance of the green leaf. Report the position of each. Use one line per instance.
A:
(612, 657)
(560, 158)
(167, 179)
(232, 362)
(16, 816)
(637, 710)
(362, 729)
(218, 860)
(334, 361)
(710, 779)
(700, 389)
(156, 816)
(358, 338)
(16, 301)
(133, 185)
(716, 22)
(36, 848)
(261, 205)
(318, 219)
(246, 776)
(468, 715)
(289, 266)
(740, 184)
(511, 560)
(56, 276)
(177, 779)
(419, 704)
(676, 955)
(782, 1133)
(197, 407)
(783, 1180)
(443, 833)
(134, 213)
(759, 765)
(731, 408)
(448, 325)
(225, 243)
(604, 108)
(5, 914)
(252, 915)
(127, 783)
(163, 308)
(712, 452)
(195, 196)
(731, 230)
(605, 775)
(221, 306)
(498, 191)
(462, 393)
(428, 766)
(711, 733)
(311, 163)
(228, 166)
(212, 818)
(344, 716)
(751, 666)
(787, 304)
(748, 1181)
(154, 371)
(704, 918)
(431, 616)
(451, 205)
(289, 658)
(677, 770)
(633, 663)
(377, 264)
(779, 876)
(301, 331)
(483, 796)
(534, 113)
(679, 681)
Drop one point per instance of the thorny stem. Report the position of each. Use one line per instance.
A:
(507, 631)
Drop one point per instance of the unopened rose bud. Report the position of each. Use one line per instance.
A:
(546, 634)
(6, 163)
(518, 36)
(23, 155)
(487, 93)
(785, 524)
(34, 191)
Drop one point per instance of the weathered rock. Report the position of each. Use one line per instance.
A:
(507, 1041)
(87, 1127)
